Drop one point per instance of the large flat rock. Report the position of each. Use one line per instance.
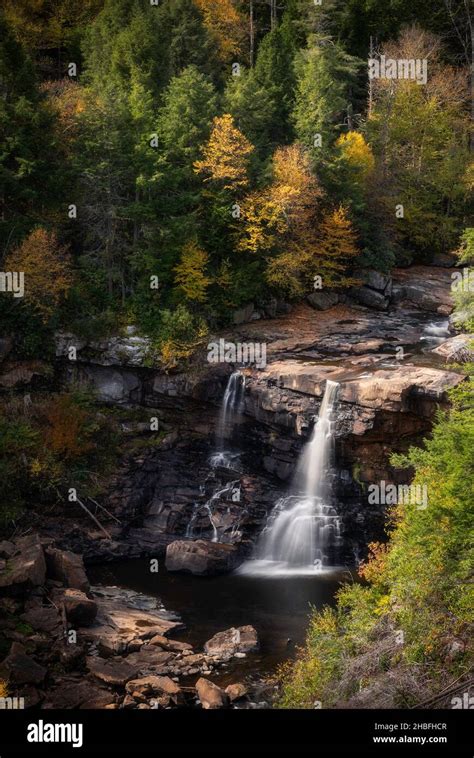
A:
(123, 616)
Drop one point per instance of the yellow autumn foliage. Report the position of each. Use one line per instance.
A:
(226, 155)
(190, 276)
(357, 153)
(225, 25)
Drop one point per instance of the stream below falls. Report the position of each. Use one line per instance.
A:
(279, 608)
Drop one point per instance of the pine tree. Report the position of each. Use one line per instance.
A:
(29, 181)
(325, 74)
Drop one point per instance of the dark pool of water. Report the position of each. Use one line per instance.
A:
(278, 608)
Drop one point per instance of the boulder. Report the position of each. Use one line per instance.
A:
(200, 557)
(225, 645)
(243, 314)
(68, 568)
(153, 685)
(210, 695)
(26, 569)
(456, 349)
(236, 691)
(115, 671)
(113, 386)
(322, 300)
(370, 298)
(43, 620)
(377, 281)
(80, 610)
(20, 668)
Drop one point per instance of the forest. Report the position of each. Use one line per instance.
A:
(291, 177)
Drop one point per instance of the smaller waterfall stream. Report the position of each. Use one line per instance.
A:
(230, 410)
(303, 528)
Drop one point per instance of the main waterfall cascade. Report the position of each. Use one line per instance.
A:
(303, 531)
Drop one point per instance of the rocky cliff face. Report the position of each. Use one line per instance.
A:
(389, 363)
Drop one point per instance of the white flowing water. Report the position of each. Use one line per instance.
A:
(231, 408)
(436, 332)
(303, 527)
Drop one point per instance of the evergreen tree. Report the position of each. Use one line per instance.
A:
(29, 182)
(325, 76)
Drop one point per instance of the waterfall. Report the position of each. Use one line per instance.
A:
(230, 408)
(303, 528)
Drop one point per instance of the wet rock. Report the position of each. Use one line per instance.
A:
(115, 671)
(210, 695)
(26, 569)
(80, 610)
(225, 645)
(236, 691)
(68, 568)
(201, 557)
(20, 668)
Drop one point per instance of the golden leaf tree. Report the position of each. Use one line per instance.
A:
(190, 275)
(357, 154)
(225, 156)
(225, 25)
(284, 211)
(335, 248)
(47, 270)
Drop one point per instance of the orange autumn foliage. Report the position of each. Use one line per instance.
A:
(374, 567)
(66, 429)
(47, 270)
